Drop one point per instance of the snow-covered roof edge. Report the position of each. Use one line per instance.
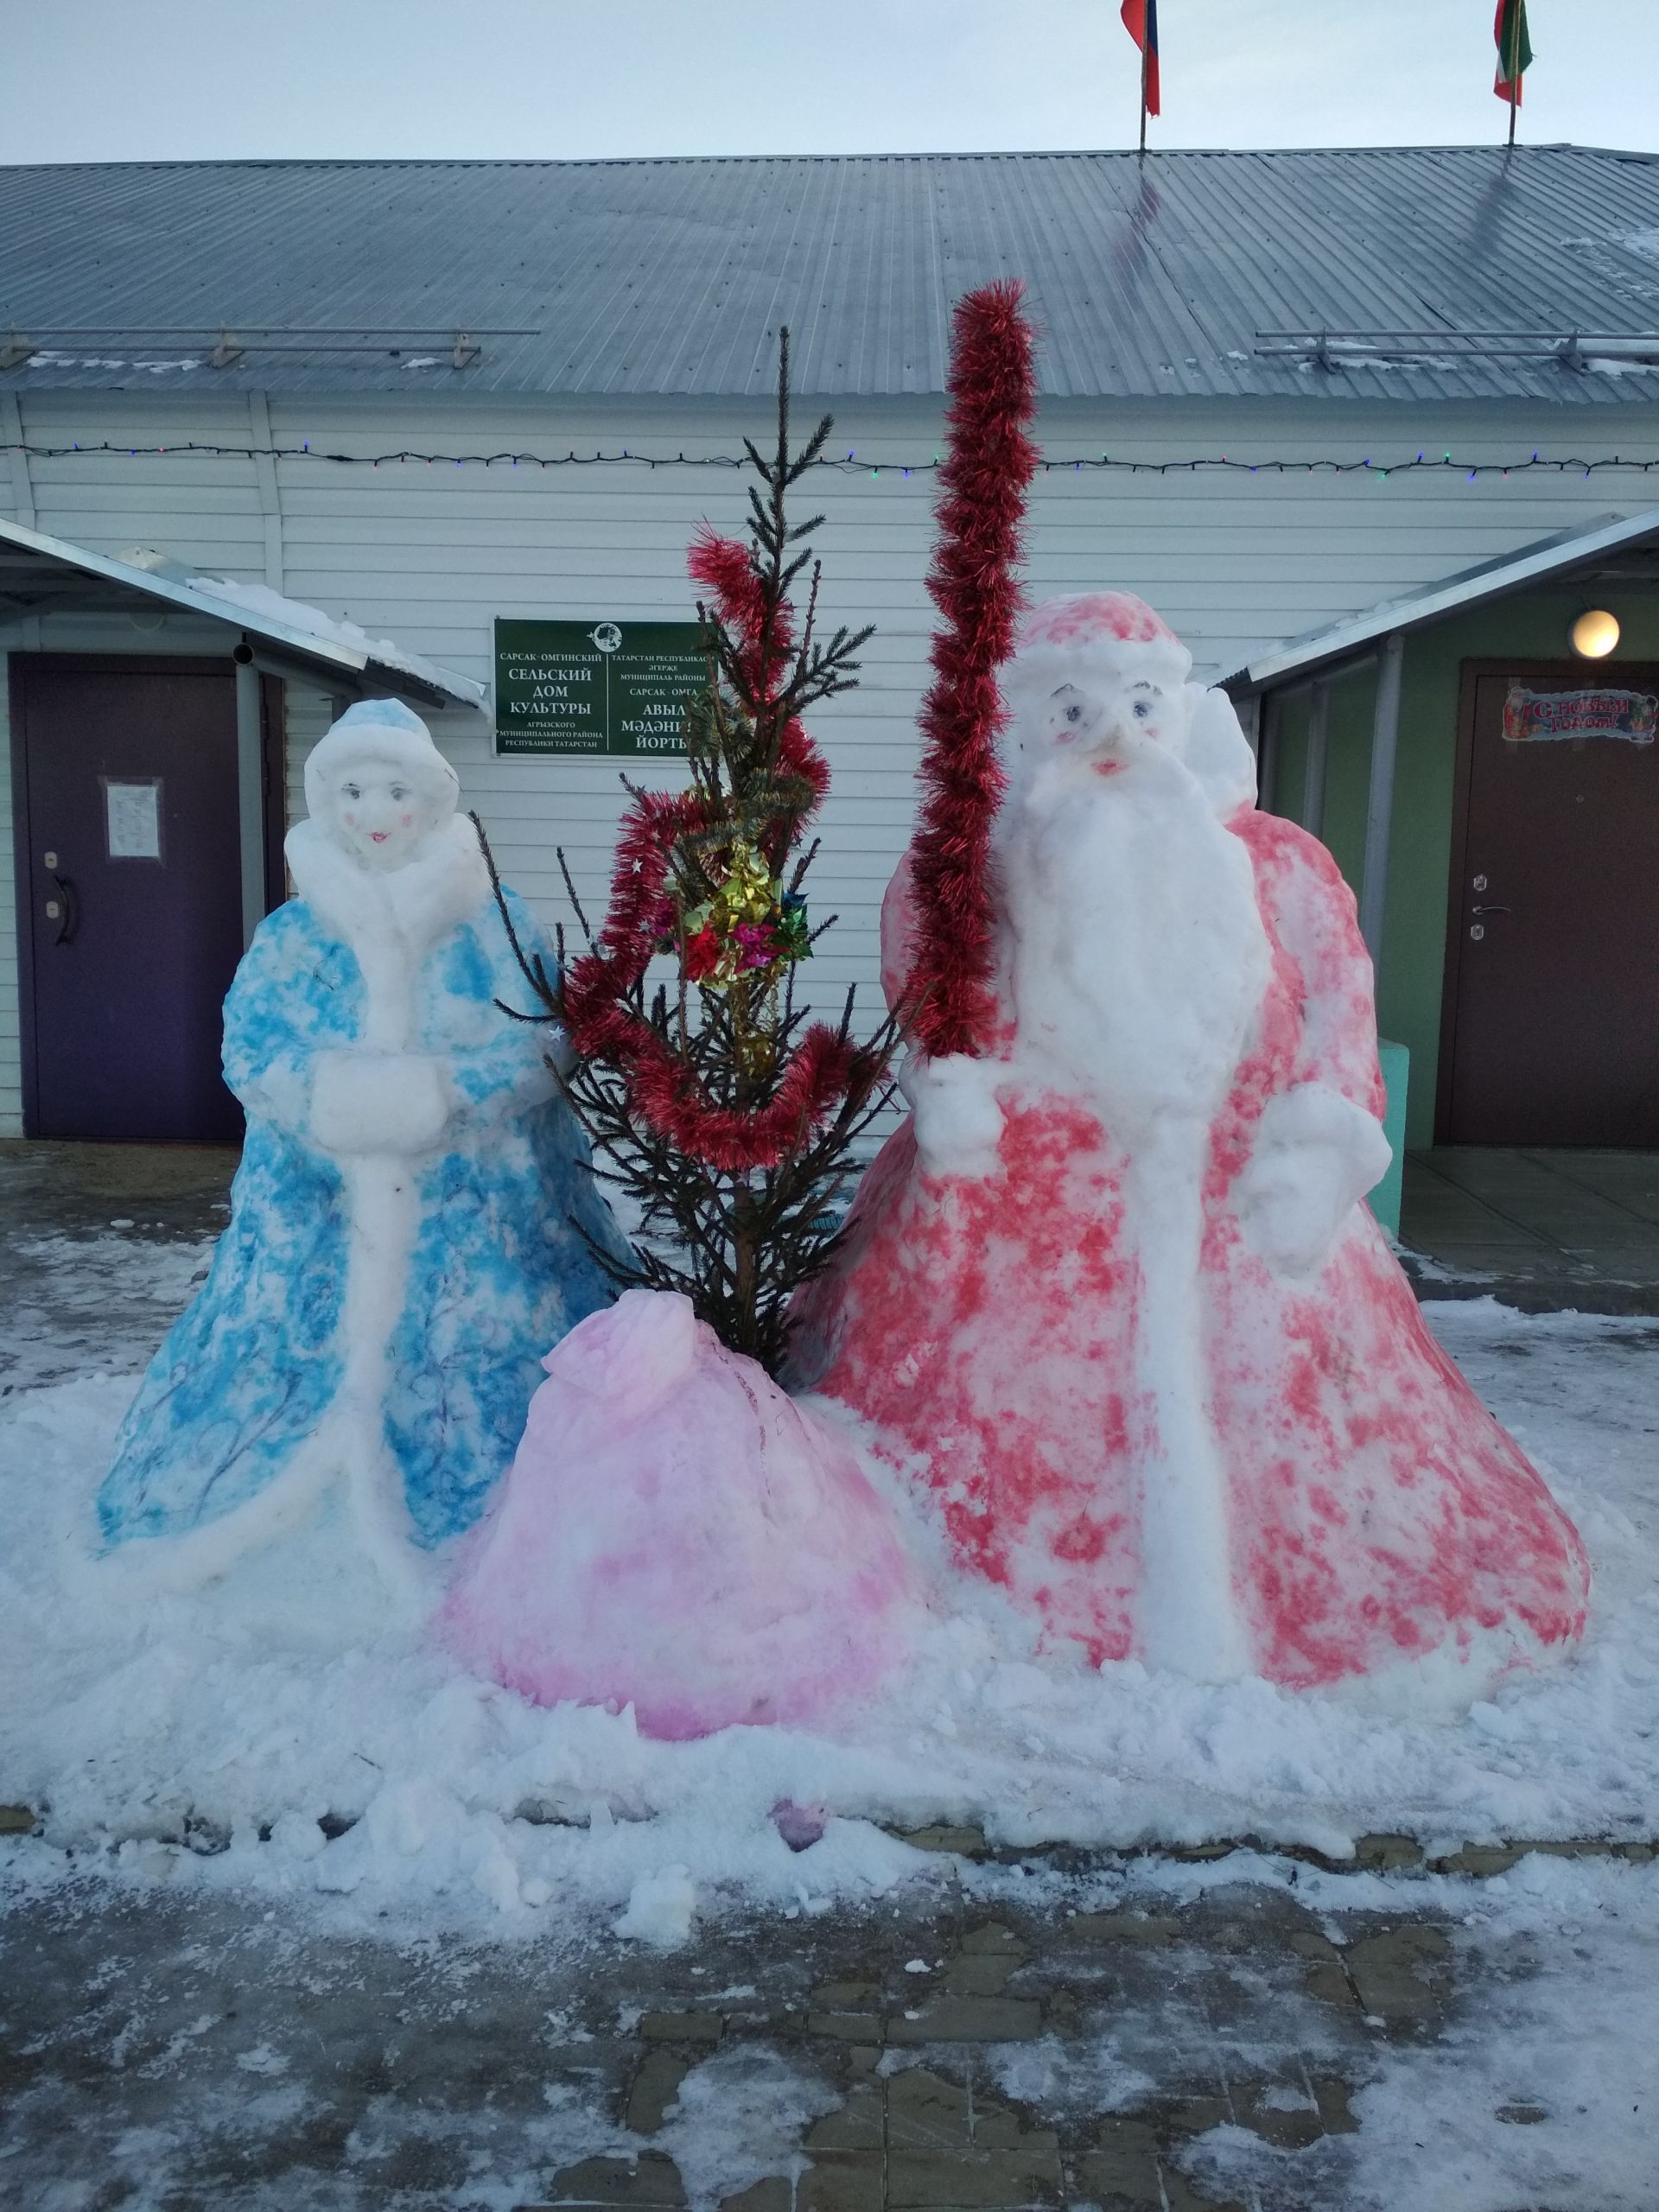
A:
(1528, 564)
(335, 648)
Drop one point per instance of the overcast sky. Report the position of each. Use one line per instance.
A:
(154, 80)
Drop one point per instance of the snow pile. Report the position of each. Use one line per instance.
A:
(661, 1909)
(284, 1729)
(675, 1534)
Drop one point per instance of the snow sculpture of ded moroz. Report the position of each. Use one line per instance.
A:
(405, 1240)
(1110, 1291)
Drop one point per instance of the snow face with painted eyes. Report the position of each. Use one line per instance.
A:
(1138, 955)
(1107, 724)
(379, 815)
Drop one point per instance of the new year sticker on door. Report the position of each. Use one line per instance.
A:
(1551, 1027)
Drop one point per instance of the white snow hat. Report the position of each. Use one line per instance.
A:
(384, 730)
(1111, 632)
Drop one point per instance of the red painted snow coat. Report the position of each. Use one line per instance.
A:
(986, 1329)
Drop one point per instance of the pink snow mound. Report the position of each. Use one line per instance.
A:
(678, 1535)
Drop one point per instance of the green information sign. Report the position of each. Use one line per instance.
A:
(594, 686)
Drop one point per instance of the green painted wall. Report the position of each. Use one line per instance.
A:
(1532, 625)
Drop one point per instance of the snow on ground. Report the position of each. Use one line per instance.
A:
(284, 1696)
(70, 1295)
(1517, 2070)
(1533, 2093)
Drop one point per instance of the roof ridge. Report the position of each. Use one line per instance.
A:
(689, 161)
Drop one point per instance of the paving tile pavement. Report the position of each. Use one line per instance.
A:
(1540, 1228)
(946, 2052)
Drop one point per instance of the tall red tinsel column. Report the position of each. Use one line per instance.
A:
(989, 464)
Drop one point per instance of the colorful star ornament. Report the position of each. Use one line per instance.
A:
(752, 927)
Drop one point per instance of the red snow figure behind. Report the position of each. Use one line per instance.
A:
(1112, 1291)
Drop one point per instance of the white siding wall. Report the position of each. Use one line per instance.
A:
(429, 555)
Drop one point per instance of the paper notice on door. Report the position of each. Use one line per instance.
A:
(133, 814)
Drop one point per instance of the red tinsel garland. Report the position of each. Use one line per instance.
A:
(989, 462)
(722, 567)
(662, 1089)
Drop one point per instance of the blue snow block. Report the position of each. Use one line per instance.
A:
(1396, 1069)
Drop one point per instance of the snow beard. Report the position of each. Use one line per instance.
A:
(1138, 957)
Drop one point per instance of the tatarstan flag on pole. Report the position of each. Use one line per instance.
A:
(1514, 48)
(1140, 21)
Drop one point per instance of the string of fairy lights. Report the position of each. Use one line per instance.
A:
(849, 464)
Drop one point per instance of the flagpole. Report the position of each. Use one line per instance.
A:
(1514, 79)
(1146, 47)
(1512, 57)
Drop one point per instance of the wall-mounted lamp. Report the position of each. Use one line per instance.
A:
(1594, 634)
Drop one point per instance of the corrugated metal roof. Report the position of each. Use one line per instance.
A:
(1148, 278)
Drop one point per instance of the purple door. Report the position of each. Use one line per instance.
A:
(128, 893)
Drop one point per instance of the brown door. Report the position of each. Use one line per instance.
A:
(1552, 1028)
(128, 893)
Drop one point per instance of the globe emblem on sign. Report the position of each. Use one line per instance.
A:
(607, 637)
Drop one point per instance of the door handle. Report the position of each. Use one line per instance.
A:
(1489, 910)
(71, 921)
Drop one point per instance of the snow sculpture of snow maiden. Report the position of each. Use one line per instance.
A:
(397, 1260)
(1111, 1288)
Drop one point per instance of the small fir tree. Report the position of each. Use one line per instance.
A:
(714, 1102)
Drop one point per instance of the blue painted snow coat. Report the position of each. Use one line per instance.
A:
(372, 1316)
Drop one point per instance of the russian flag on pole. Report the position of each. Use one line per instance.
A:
(1514, 48)
(1140, 21)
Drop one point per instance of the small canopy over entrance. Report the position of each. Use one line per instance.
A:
(1519, 702)
(1614, 549)
(150, 818)
(48, 575)
(264, 632)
